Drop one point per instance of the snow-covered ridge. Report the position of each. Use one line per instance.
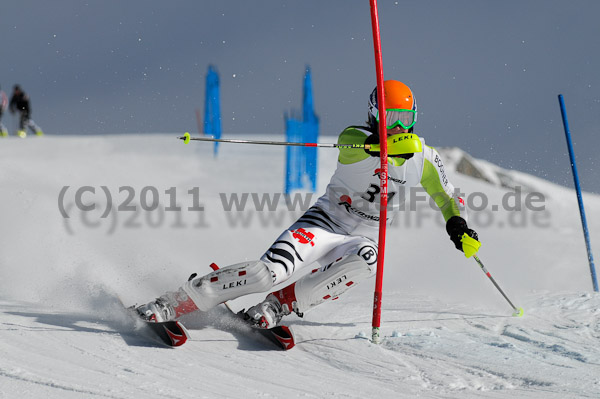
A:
(462, 162)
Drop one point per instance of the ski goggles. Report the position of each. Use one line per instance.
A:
(405, 118)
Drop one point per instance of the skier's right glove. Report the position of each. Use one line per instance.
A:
(456, 228)
(372, 139)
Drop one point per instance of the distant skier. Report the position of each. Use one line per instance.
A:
(3, 106)
(19, 101)
(339, 233)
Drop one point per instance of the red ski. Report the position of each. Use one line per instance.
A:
(170, 333)
(281, 335)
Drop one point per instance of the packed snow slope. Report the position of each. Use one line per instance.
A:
(88, 222)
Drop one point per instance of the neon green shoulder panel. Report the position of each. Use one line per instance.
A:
(432, 184)
(352, 135)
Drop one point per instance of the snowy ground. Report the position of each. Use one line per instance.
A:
(448, 332)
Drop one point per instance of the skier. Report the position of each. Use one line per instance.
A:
(339, 232)
(19, 101)
(3, 106)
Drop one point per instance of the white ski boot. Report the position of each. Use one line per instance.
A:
(267, 314)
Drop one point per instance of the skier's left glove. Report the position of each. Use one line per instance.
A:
(456, 228)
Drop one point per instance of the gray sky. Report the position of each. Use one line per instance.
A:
(486, 74)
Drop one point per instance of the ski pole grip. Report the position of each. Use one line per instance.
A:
(470, 245)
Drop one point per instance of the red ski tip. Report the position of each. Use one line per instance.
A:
(177, 339)
(285, 338)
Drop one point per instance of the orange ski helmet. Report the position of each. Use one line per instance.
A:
(400, 105)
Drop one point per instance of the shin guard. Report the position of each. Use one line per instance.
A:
(327, 283)
(228, 283)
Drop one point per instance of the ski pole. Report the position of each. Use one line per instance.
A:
(405, 143)
(470, 247)
(518, 311)
(187, 138)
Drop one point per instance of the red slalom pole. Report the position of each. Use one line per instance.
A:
(384, 174)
